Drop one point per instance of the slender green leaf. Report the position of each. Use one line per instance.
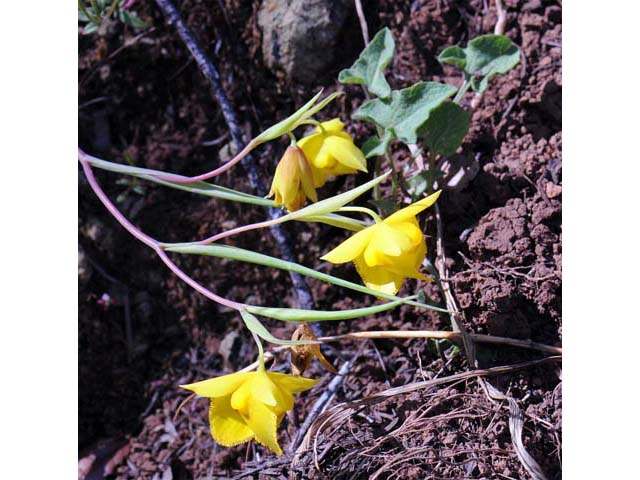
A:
(369, 68)
(211, 190)
(315, 109)
(239, 254)
(298, 315)
(288, 124)
(201, 188)
(255, 326)
(339, 221)
(446, 127)
(296, 119)
(331, 204)
(406, 111)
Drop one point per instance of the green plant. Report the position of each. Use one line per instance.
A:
(98, 12)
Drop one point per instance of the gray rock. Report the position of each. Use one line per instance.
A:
(84, 268)
(299, 37)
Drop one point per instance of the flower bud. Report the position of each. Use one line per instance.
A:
(293, 181)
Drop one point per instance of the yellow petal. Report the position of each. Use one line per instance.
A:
(264, 423)
(311, 146)
(411, 229)
(241, 398)
(306, 178)
(228, 428)
(333, 126)
(378, 278)
(319, 176)
(287, 176)
(292, 383)
(345, 152)
(264, 390)
(324, 158)
(407, 265)
(412, 210)
(341, 169)
(219, 386)
(351, 247)
(387, 245)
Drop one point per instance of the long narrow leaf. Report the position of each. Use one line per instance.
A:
(339, 221)
(211, 190)
(298, 315)
(233, 253)
(332, 204)
(200, 188)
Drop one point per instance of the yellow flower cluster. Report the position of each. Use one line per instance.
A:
(251, 405)
(328, 152)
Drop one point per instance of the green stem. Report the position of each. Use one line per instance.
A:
(261, 367)
(96, 10)
(112, 9)
(462, 90)
(377, 169)
(90, 16)
(366, 210)
(315, 123)
(394, 176)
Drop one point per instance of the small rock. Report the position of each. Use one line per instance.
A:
(230, 347)
(84, 267)
(299, 37)
(552, 190)
(100, 234)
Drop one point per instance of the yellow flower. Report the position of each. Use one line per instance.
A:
(389, 251)
(332, 152)
(293, 180)
(251, 405)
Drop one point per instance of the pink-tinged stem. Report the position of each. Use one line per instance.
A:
(149, 241)
(195, 285)
(234, 231)
(172, 177)
(113, 210)
(205, 176)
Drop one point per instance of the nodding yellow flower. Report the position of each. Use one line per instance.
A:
(249, 405)
(332, 152)
(293, 180)
(389, 251)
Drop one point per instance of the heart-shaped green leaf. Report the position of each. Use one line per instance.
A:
(406, 111)
(455, 56)
(445, 128)
(368, 69)
(484, 58)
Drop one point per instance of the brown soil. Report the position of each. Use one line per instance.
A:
(152, 333)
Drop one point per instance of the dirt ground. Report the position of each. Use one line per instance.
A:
(142, 332)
